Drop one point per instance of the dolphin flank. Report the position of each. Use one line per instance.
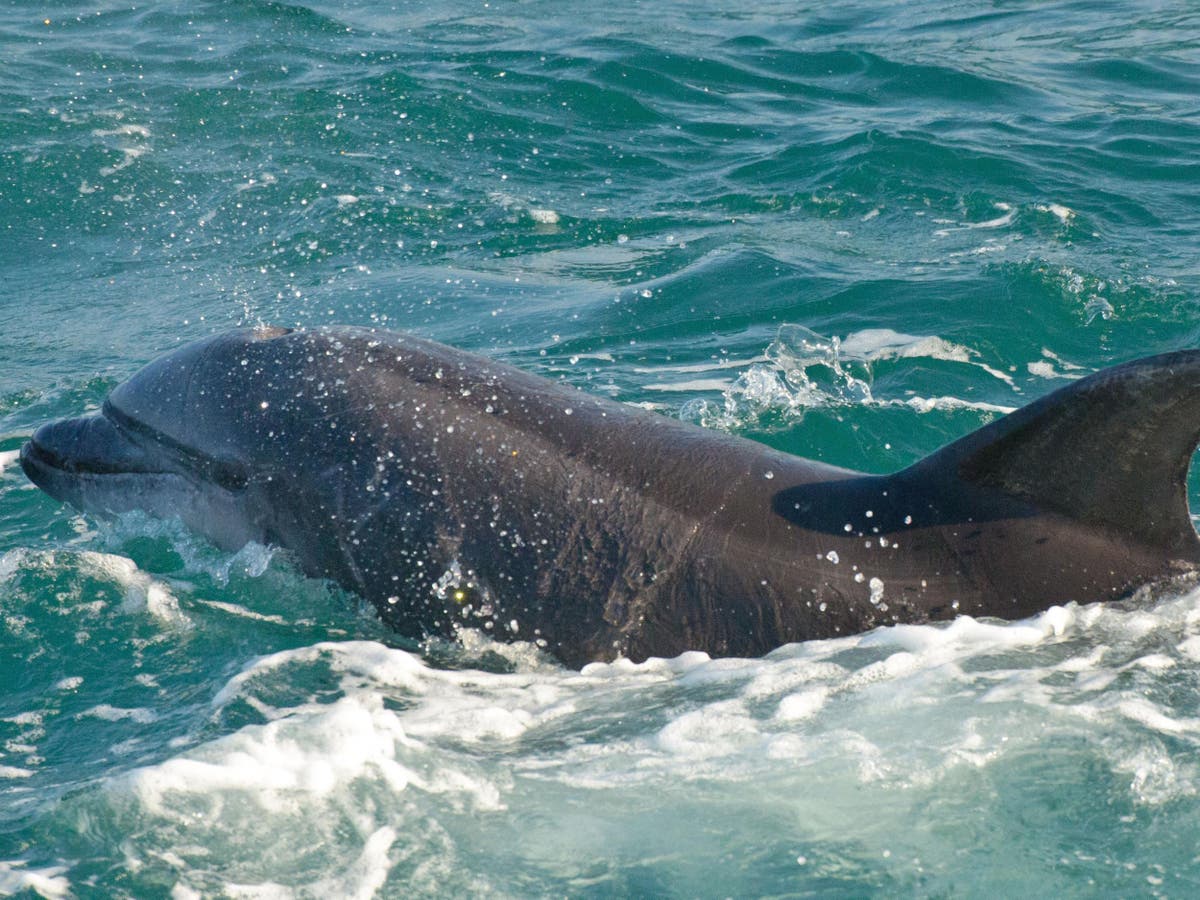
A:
(451, 490)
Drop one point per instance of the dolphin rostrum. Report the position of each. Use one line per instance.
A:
(451, 490)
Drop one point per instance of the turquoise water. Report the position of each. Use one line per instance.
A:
(937, 211)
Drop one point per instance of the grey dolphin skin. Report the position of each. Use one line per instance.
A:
(449, 490)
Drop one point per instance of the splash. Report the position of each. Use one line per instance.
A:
(392, 760)
(803, 370)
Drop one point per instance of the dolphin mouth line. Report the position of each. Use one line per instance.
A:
(127, 447)
(44, 456)
(226, 473)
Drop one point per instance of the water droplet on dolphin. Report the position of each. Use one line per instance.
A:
(876, 586)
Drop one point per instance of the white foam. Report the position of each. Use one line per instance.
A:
(1063, 213)
(1043, 369)
(929, 404)
(16, 878)
(1154, 777)
(141, 591)
(11, 562)
(397, 670)
(129, 155)
(362, 879)
(235, 609)
(1000, 221)
(1190, 648)
(7, 458)
(708, 732)
(268, 763)
(803, 704)
(696, 384)
(701, 367)
(965, 633)
(116, 714)
(1148, 714)
(366, 875)
(127, 130)
(395, 764)
(884, 343)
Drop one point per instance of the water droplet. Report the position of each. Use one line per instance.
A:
(876, 586)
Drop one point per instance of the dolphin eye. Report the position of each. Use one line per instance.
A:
(231, 476)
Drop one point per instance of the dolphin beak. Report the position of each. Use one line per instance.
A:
(61, 453)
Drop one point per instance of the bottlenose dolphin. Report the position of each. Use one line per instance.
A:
(449, 489)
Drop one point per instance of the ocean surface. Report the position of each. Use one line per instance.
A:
(852, 231)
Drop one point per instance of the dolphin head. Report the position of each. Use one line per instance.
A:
(168, 441)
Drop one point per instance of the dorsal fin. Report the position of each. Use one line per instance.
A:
(1110, 450)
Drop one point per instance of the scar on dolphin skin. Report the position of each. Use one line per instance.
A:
(449, 489)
